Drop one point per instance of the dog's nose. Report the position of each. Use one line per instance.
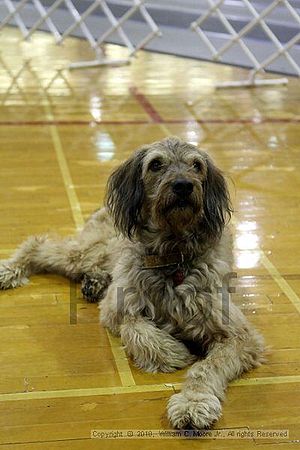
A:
(182, 187)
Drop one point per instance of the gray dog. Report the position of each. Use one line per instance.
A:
(162, 241)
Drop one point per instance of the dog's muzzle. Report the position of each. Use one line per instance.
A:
(182, 188)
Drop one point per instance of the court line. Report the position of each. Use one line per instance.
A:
(67, 179)
(282, 283)
(6, 251)
(146, 105)
(150, 110)
(121, 361)
(277, 277)
(113, 390)
(120, 357)
(148, 122)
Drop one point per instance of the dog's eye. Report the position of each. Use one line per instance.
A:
(197, 166)
(155, 165)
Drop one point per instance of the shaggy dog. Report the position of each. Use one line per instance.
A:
(159, 252)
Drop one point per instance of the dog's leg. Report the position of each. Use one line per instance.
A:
(198, 405)
(152, 349)
(72, 257)
(40, 254)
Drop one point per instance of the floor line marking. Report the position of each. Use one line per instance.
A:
(120, 357)
(146, 105)
(147, 122)
(277, 277)
(135, 389)
(6, 251)
(121, 360)
(282, 283)
(70, 189)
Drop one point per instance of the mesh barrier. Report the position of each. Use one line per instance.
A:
(47, 15)
(258, 18)
(86, 16)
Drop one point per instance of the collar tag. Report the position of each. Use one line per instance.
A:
(178, 276)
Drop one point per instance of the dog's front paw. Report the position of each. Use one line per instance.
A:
(11, 277)
(169, 359)
(152, 349)
(93, 286)
(195, 410)
(169, 363)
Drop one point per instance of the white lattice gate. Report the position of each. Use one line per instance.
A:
(259, 18)
(259, 14)
(47, 15)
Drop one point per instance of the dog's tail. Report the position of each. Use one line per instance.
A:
(40, 254)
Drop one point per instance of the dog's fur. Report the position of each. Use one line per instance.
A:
(157, 318)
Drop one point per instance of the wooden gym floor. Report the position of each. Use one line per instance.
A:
(61, 134)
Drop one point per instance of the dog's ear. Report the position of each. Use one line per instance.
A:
(217, 205)
(125, 194)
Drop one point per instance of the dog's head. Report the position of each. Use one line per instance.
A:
(172, 186)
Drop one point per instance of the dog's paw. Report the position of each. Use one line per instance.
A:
(93, 286)
(175, 361)
(152, 349)
(166, 361)
(163, 366)
(194, 410)
(11, 277)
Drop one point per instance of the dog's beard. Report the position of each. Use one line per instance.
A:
(177, 215)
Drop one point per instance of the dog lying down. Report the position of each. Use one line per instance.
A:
(155, 257)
